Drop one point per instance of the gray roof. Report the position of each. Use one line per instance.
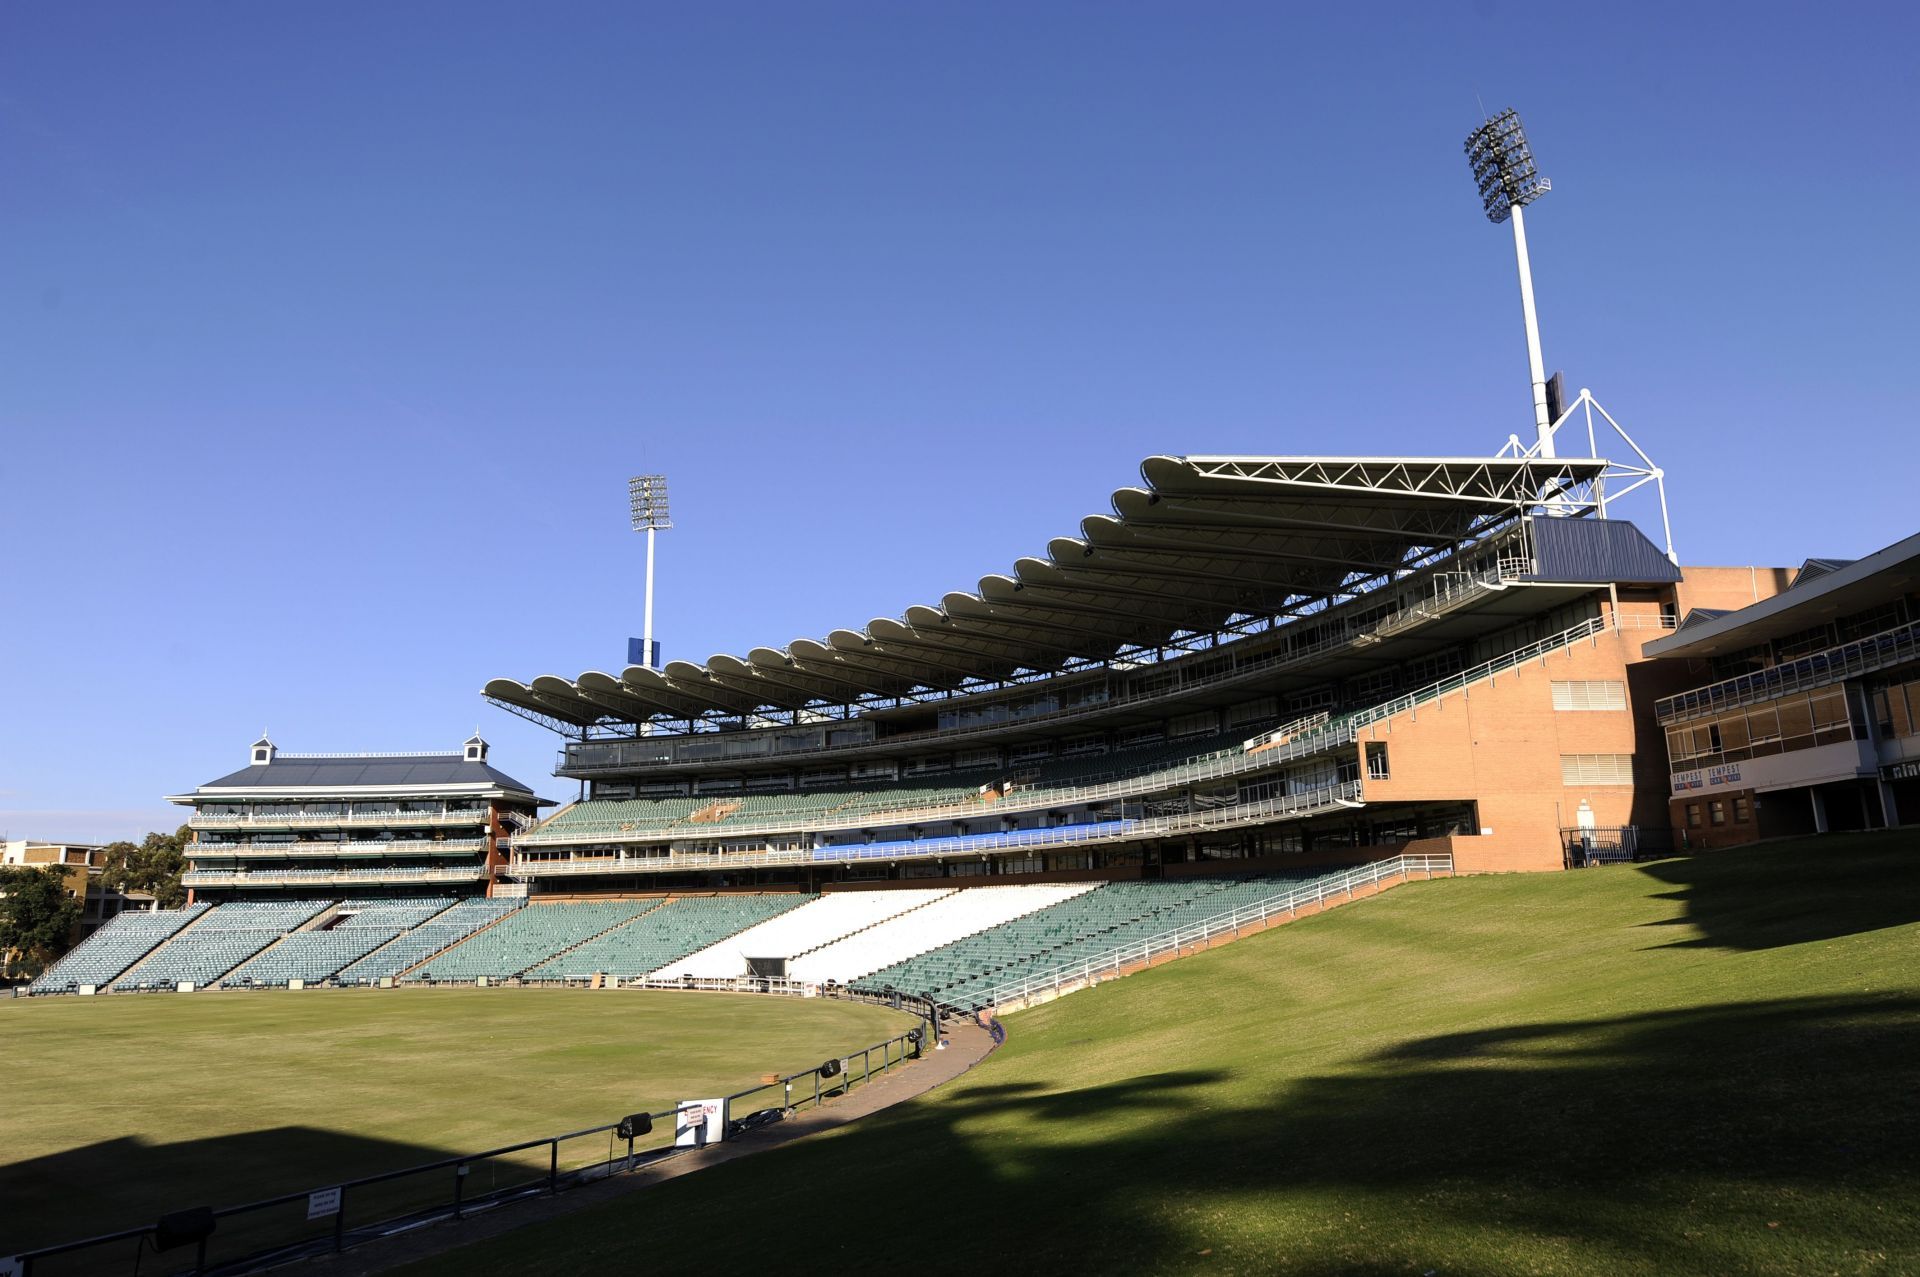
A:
(1205, 539)
(363, 771)
(1836, 586)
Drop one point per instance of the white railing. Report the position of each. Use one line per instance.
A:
(207, 820)
(576, 760)
(308, 877)
(1836, 664)
(1220, 765)
(258, 851)
(1137, 953)
(1313, 802)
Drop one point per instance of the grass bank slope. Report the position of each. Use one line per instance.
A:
(1706, 1065)
(118, 1108)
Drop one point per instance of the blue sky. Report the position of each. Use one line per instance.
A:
(329, 334)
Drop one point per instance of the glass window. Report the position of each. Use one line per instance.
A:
(1693, 815)
(1717, 811)
(1742, 809)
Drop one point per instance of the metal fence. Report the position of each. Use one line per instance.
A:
(1015, 993)
(340, 1215)
(1862, 656)
(1219, 765)
(1586, 848)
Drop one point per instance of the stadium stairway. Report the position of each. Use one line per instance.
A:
(217, 942)
(428, 940)
(111, 951)
(683, 925)
(333, 940)
(528, 937)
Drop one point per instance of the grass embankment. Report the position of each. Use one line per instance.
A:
(1706, 1065)
(119, 1108)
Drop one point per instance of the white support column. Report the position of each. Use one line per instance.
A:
(646, 631)
(1536, 367)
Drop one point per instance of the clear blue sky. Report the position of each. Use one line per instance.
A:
(330, 333)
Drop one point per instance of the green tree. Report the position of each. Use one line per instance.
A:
(153, 867)
(37, 914)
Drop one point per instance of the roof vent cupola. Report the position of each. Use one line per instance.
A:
(476, 751)
(263, 751)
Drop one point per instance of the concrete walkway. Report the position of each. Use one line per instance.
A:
(968, 1044)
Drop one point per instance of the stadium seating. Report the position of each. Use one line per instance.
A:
(121, 942)
(945, 920)
(218, 941)
(313, 956)
(528, 937)
(430, 937)
(679, 927)
(813, 925)
(1066, 936)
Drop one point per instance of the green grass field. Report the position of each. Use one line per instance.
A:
(1706, 1065)
(119, 1108)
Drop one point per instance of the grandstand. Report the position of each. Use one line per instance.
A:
(214, 943)
(293, 825)
(113, 948)
(1258, 665)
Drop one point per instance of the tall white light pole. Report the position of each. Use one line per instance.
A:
(1503, 169)
(647, 498)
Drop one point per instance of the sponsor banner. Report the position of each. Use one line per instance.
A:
(1909, 770)
(1722, 776)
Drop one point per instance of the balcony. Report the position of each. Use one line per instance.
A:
(268, 879)
(333, 850)
(1822, 669)
(1292, 806)
(363, 820)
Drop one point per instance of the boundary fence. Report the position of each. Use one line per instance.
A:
(314, 1221)
(1012, 995)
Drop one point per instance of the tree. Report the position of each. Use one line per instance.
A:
(37, 912)
(152, 868)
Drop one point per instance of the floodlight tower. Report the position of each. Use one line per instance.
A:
(647, 498)
(1503, 169)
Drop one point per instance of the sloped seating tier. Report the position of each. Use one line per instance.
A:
(528, 937)
(677, 928)
(811, 926)
(426, 939)
(963, 913)
(122, 941)
(314, 956)
(1139, 767)
(1069, 935)
(219, 941)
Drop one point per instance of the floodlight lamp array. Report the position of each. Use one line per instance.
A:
(647, 495)
(1503, 166)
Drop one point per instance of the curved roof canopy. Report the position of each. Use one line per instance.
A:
(1204, 540)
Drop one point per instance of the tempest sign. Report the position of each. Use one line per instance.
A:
(1706, 778)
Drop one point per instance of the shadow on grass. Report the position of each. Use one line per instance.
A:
(123, 1183)
(1766, 1136)
(1790, 893)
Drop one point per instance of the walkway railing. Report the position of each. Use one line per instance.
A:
(1016, 992)
(1220, 765)
(301, 820)
(1822, 669)
(593, 757)
(314, 1221)
(1312, 802)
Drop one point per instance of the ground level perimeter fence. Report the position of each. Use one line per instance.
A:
(346, 1213)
